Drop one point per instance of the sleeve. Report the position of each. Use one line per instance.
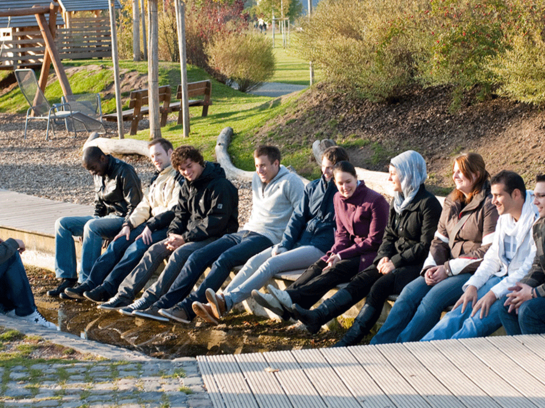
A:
(379, 219)
(181, 214)
(100, 207)
(140, 214)
(536, 277)
(163, 219)
(223, 201)
(7, 249)
(416, 253)
(132, 190)
(489, 265)
(342, 236)
(297, 222)
(469, 262)
(439, 249)
(387, 248)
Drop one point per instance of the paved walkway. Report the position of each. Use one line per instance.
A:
(122, 378)
(276, 89)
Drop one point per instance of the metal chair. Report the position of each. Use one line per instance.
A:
(89, 105)
(42, 109)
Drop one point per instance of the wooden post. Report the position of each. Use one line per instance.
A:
(44, 74)
(273, 27)
(180, 20)
(115, 60)
(153, 71)
(55, 57)
(144, 34)
(135, 31)
(311, 68)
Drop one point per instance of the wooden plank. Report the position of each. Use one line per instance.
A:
(357, 380)
(264, 385)
(534, 342)
(234, 389)
(485, 378)
(418, 376)
(331, 388)
(506, 368)
(294, 381)
(451, 377)
(212, 387)
(387, 377)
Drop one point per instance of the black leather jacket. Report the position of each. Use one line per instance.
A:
(119, 191)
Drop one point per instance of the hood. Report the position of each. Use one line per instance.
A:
(411, 170)
(211, 171)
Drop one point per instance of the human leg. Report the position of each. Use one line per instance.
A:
(66, 228)
(460, 325)
(13, 278)
(532, 316)
(509, 320)
(94, 232)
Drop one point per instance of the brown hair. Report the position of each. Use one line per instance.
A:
(165, 144)
(471, 164)
(335, 154)
(272, 152)
(345, 167)
(182, 153)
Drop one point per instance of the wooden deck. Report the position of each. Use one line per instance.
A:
(488, 372)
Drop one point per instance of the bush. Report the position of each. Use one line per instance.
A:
(247, 59)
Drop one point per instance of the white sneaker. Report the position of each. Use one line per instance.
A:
(268, 301)
(37, 318)
(282, 296)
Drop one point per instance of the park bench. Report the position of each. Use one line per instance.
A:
(139, 106)
(194, 89)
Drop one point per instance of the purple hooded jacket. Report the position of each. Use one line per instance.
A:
(361, 220)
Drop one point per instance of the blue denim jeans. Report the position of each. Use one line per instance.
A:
(458, 325)
(120, 258)
(530, 318)
(15, 292)
(94, 230)
(224, 254)
(263, 266)
(419, 308)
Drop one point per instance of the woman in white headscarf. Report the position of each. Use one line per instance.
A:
(414, 214)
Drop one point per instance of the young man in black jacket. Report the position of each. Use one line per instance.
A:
(208, 209)
(118, 192)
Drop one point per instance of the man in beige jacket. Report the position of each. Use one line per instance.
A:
(145, 226)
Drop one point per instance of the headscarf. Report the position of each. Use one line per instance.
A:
(411, 170)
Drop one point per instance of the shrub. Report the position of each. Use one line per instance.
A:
(247, 59)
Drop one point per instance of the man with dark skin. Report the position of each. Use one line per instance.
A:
(118, 192)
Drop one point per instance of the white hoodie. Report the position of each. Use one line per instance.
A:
(495, 262)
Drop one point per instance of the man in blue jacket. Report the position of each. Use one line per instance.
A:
(308, 236)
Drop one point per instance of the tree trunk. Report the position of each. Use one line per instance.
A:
(144, 33)
(153, 72)
(118, 147)
(180, 19)
(135, 31)
(115, 60)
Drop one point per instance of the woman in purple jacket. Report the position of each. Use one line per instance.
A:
(361, 217)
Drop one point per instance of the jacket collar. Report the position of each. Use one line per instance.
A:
(415, 203)
(478, 198)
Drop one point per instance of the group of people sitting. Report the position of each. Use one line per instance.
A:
(482, 252)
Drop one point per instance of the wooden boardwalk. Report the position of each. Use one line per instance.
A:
(490, 372)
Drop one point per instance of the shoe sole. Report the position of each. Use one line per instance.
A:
(105, 307)
(126, 312)
(171, 317)
(213, 300)
(203, 313)
(263, 302)
(72, 295)
(64, 296)
(273, 293)
(148, 316)
(100, 302)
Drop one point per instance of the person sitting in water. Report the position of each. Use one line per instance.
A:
(145, 226)
(16, 296)
(477, 312)
(361, 217)
(414, 214)
(118, 192)
(308, 236)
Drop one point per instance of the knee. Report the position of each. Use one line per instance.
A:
(91, 227)
(224, 261)
(527, 313)
(60, 224)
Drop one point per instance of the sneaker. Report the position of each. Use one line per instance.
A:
(140, 304)
(217, 302)
(151, 312)
(37, 318)
(65, 283)
(268, 301)
(282, 297)
(76, 292)
(204, 311)
(114, 303)
(175, 313)
(98, 295)
(64, 296)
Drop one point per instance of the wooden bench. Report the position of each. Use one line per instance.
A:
(139, 106)
(194, 89)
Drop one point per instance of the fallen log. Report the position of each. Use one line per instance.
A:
(117, 146)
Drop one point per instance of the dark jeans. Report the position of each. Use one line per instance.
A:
(157, 253)
(15, 292)
(224, 254)
(314, 282)
(530, 319)
(120, 258)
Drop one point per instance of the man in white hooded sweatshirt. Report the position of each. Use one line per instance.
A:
(505, 263)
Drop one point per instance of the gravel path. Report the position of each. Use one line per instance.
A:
(52, 169)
